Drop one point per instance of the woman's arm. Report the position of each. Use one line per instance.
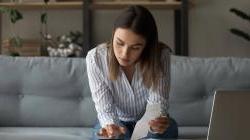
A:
(100, 93)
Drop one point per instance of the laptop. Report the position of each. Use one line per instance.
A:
(230, 116)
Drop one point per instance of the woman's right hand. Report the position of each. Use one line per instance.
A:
(111, 131)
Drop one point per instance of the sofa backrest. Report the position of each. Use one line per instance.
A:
(194, 81)
(40, 91)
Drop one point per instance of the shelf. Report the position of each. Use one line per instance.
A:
(170, 4)
(181, 18)
(41, 5)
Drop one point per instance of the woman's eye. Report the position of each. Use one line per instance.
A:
(135, 48)
(119, 44)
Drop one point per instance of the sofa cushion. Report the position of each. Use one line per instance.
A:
(39, 91)
(194, 80)
(191, 132)
(45, 133)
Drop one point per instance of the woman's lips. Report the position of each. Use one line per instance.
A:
(124, 60)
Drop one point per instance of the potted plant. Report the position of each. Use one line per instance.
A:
(15, 40)
(67, 45)
(239, 32)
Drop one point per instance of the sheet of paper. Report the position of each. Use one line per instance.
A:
(142, 127)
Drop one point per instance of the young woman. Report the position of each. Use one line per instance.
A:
(127, 74)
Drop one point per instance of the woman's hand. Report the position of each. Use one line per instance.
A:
(159, 125)
(111, 131)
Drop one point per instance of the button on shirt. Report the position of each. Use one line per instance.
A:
(119, 99)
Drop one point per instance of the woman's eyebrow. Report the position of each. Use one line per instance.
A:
(136, 44)
(120, 40)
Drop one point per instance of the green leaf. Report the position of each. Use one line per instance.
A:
(240, 33)
(4, 10)
(44, 18)
(15, 15)
(240, 13)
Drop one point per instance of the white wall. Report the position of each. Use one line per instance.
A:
(210, 21)
(209, 24)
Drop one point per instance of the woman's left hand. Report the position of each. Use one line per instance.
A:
(159, 125)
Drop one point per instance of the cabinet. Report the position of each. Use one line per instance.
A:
(180, 8)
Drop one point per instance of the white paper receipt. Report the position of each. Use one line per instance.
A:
(142, 127)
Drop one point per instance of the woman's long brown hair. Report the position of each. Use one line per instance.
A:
(140, 20)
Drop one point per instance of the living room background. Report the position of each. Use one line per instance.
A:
(209, 24)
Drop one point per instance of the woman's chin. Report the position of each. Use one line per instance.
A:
(124, 64)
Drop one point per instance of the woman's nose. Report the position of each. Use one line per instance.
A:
(125, 52)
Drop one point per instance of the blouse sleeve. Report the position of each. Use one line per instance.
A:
(160, 95)
(101, 94)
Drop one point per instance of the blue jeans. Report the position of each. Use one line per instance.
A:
(170, 133)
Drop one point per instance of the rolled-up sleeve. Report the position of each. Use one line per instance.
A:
(101, 94)
(160, 95)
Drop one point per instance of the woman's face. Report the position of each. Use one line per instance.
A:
(127, 46)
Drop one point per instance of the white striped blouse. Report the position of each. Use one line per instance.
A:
(121, 100)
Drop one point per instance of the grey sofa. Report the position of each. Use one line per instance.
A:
(49, 98)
